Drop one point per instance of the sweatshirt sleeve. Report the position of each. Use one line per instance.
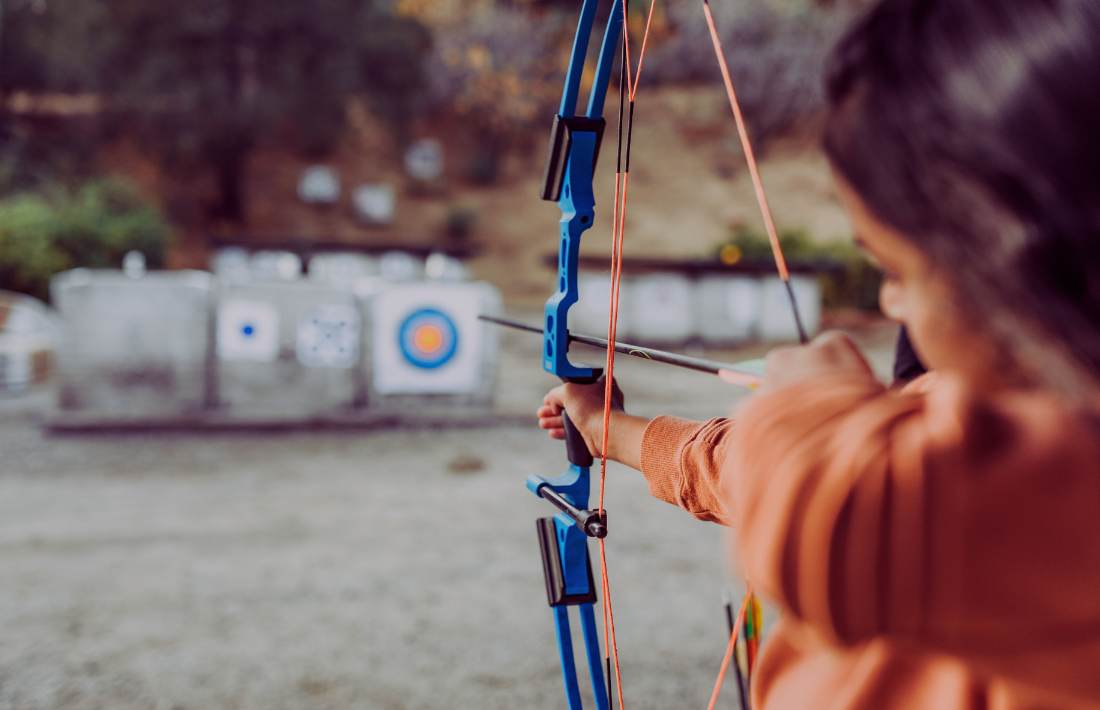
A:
(682, 460)
(936, 517)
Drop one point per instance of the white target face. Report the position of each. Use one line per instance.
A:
(248, 331)
(328, 336)
(426, 338)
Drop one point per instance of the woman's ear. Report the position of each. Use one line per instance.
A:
(891, 300)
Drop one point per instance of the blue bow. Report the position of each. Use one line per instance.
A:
(574, 146)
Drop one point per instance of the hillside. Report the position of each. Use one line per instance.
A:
(689, 185)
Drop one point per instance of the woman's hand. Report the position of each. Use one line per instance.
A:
(584, 403)
(828, 354)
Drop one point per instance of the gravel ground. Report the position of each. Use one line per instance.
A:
(387, 569)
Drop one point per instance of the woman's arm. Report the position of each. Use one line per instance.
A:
(680, 459)
(585, 406)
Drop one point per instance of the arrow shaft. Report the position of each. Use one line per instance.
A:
(711, 367)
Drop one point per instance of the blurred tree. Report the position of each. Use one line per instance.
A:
(392, 62)
(500, 79)
(775, 48)
(209, 80)
(50, 46)
(46, 48)
(205, 82)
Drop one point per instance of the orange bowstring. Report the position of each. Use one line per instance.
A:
(746, 144)
(618, 232)
(641, 53)
(730, 648)
(780, 265)
(608, 610)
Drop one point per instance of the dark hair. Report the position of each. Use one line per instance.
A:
(973, 128)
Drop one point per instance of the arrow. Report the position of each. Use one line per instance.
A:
(744, 374)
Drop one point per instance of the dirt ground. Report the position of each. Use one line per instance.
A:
(389, 569)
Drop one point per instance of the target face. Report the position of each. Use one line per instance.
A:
(248, 331)
(428, 338)
(329, 336)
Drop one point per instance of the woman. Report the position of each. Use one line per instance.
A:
(935, 546)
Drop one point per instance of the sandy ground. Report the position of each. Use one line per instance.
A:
(387, 569)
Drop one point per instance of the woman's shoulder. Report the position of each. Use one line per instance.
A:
(1013, 428)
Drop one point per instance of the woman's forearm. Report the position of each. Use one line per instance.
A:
(624, 442)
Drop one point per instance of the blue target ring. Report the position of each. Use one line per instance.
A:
(428, 338)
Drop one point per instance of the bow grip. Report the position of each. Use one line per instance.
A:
(576, 449)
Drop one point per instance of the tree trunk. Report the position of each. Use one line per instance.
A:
(231, 166)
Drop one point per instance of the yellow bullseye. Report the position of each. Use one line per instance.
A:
(428, 338)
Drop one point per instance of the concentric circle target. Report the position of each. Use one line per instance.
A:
(428, 338)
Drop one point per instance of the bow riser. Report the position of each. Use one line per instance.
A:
(574, 148)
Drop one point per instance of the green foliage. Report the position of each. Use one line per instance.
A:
(104, 219)
(93, 226)
(752, 245)
(851, 282)
(28, 254)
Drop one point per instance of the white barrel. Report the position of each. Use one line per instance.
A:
(777, 322)
(727, 308)
(342, 269)
(659, 309)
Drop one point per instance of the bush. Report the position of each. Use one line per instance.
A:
(854, 283)
(92, 226)
(28, 254)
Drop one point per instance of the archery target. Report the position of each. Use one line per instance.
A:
(426, 338)
(328, 336)
(248, 330)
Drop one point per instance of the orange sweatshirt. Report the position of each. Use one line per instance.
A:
(928, 548)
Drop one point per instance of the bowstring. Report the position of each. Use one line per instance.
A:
(781, 268)
(754, 172)
(628, 90)
(629, 81)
